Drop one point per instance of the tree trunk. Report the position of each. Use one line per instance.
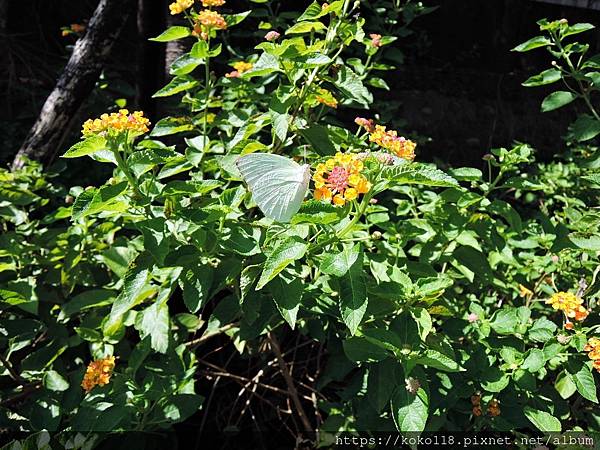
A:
(150, 73)
(76, 81)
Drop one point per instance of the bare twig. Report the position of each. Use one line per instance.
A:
(293, 393)
(12, 372)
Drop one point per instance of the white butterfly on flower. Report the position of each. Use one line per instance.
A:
(278, 184)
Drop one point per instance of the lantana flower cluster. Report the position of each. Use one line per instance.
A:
(179, 6)
(388, 139)
(325, 97)
(570, 304)
(340, 179)
(593, 349)
(135, 123)
(240, 67)
(98, 373)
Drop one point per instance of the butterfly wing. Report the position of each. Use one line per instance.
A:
(278, 184)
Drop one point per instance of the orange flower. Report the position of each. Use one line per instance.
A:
(209, 3)
(326, 98)
(593, 349)
(98, 373)
(340, 179)
(569, 304)
(375, 40)
(399, 146)
(210, 19)
(367, 124)
(180, 6)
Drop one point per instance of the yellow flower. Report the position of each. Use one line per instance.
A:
(209, 3)
(593, 349)
(210, 19)
(180, 6)
(98, 373)
(242, 66)
(340, 179)
(326, 98)
(524, 292)
(397, 145)
(569, 304)
(115, 123)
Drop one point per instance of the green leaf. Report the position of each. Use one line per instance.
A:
(88, 299)
(172, 34)
(195, 284)
(534, 361)
(287, 294)
(313, 211)
(577, 28)
(54, 381)
(585, 242)
(287, 251)
(353, 295)
(542, 330)
(88, 146)
(93, 201)
(557, 100)
(533, 43)
(546, 77)
(565, 385)
(16, 195)
(416, 173)
(172, 125)
(318, 138)
(410, 411)
(185, 64)
(352, 86)
(306, 27)
(584, 128)
(177, 85)
(505, 321)
(338, 264)
(380, 383)
(542, 420)
(359, 349)
(154, 322)
(234, 19)
(134, 284)
(494, 380)
(584, 381)
(438, 360)
(423, 320)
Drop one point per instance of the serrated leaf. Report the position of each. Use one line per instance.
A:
(88, 146)
(338, 264)
(286, 252)
(287, 294)
(410, 411)
(416, 173)
(542, 420)
(353, 295)
(154, 322)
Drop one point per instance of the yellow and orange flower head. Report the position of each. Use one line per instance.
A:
(524, 291)
(326, 98)
(210, 20)
(98, 373)
(397, 145)
(212, 3)
(367, 124)
(240, 67)
(116, 123)
(593, 349)
(180, 6)
(569, 304)
(340, 179)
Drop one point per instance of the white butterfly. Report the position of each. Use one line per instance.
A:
(278, 184)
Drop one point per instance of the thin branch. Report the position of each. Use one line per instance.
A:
(293, 393)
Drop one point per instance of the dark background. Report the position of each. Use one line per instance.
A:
(459, 87)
